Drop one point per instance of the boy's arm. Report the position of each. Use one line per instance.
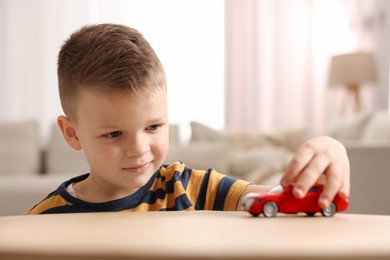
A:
(322, 157)
(251, 188)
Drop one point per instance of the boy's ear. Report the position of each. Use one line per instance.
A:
(69, 132)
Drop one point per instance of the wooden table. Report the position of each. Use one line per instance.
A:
(194, 235)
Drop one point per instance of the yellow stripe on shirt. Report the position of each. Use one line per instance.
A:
(212, 188)
(193, 186)
(234, 195)
(48, 203)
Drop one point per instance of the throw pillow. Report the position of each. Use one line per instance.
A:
(349, 129)
(203, 133)
(378, 128)
(249, 139)
(263, 160)
(290, 138)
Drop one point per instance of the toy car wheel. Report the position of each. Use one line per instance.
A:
(270, 209)
(254, 214)
(310, 214)
(330, 211)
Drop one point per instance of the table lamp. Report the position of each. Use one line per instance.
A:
(351, 71)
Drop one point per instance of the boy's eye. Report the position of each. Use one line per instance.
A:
(114, 134)
(153, 127)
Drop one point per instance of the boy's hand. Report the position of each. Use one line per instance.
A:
(320, 156)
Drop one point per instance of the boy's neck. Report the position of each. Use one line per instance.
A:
(93, 192)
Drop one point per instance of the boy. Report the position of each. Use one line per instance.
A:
(114, 95)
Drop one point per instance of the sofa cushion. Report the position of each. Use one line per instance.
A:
(349, 129)
(61, 158)
(290, 139)
(25, 191)
(204, 133)
(248, 138)
(257, 164)
(377, 129)
(19, 148)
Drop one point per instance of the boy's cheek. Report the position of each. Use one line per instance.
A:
(163, 148)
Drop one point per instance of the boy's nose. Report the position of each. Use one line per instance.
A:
(137, 147)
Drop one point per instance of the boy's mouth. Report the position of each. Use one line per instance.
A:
(138, 168)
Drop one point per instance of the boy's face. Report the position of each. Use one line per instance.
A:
(124, 138)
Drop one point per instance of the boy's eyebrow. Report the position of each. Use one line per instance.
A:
(107, 126)
(151, 121)
(161, 118)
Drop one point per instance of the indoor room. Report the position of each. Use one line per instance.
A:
(249, 85)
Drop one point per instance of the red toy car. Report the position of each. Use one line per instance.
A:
(282, 200)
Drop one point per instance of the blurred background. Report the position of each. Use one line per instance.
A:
(248, 82)
(235, 63)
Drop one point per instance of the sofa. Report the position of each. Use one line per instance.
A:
(366, 137)
(30, 167)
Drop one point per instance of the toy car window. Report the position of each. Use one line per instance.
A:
(314, 189)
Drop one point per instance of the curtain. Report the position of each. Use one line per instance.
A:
(277, 61)
(32, 33)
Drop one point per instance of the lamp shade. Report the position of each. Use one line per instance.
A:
(353, 68)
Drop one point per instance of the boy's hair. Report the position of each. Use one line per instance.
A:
(107, 57)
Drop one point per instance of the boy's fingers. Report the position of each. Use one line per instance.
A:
(334, 181)
(316, 167)
(314, 159)
(303, 156)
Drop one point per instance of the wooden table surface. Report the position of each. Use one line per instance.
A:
(194, 235)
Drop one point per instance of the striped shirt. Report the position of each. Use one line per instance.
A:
(172, 187)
